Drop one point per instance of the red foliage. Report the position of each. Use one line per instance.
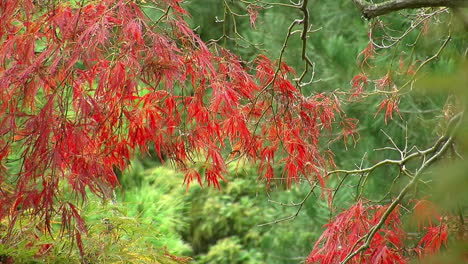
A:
(432, 241)
(427, 217)
(345, 234)
(83, 87)
(391, 105)
(253, 13)
(368, 52)
(348, 231)
(357, 85)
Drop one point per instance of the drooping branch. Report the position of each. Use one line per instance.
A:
(370, 10)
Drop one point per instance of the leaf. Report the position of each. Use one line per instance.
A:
(343, 235)
(357, 84)
(368, 52)
(424, 213)
(80, 225)
(253, 12)
(189, 176)
(390, 105)
(432, 241)
(384, 82)
(348, 129)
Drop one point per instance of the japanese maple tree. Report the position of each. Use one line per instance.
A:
(84, 85)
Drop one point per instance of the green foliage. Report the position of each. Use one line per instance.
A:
(159, 202)
(218, 214)
(112, 237)
(115, 236)
(222, 226)
(231, 251)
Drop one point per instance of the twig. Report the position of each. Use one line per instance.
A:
(438, 149)
(291, 217)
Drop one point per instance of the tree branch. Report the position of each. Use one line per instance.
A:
(291, 217)
(370, 10)
(439, 147)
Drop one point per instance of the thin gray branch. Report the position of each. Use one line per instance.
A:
(293, 216)
(439, 149)
(370, 10)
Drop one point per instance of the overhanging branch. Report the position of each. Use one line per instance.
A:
(370, 10)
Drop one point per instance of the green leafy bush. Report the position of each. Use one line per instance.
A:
(112, 237)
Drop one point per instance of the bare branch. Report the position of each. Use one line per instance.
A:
(439, 148)
(370, 10)
(405, 157)
(293, 216)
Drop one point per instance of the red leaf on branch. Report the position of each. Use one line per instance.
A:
(343, 235)
(109, 83)
(390, 105)
(368, 52)
(190, 175)
(432, 241)
(384, 82)
(253, 13)
(424, 213)
(357, 85)
(348, 126)
(264, 70)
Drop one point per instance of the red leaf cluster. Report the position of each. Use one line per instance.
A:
(348, 230)
(344, 235)
(357, 85)
(84, 87)
(253, 13)
(390, 105)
